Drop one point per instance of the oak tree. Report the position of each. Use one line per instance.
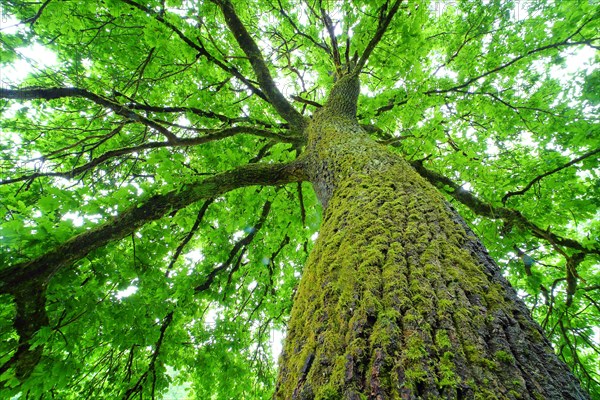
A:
(188, 178)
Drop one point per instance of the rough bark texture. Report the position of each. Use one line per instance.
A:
(399, 300)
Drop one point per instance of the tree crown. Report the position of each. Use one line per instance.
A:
(153, 202)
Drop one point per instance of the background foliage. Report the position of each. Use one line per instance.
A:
(499, 98)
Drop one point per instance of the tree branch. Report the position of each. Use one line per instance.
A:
(487, 210)
(61, 92)
(212, 135)
(137, 387)
(239, 245)
(511, 62)
(263, 75)
(540, 177)
(382, 25)
(335, 51)
(31, 20)
(190, 235)
(199, 112)
(30, 301)
(199, 47)
(45, 266)
(298, 31)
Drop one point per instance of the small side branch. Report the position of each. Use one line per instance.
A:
(322, 46)
(467, 83)
(32, 20)
(138, 386)
(542, 176)
(240, 245)
(382, 26)
(61, 92)
(190, 235)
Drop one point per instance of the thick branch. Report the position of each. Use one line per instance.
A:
(263, 75)
(45, 266)
(201, 113)
(58, 92)
(30, 301)
(489, 211)
(540, 177)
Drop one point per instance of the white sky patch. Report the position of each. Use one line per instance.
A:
(581, 59)
(239, 234)
(491, 148)
(211, 317)
(585, 174)
(183, 121)
(78, 220)
(277, 337)
(139, 190)
(121, 294)
(9, 25)
(194, 256)
(31, 58)
(75, 217)
(522, 294)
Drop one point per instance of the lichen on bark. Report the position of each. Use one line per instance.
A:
(399, 300)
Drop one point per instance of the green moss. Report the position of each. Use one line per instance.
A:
(462, 316)
(517, 384)
(415, 348)
(442, 340)
(494, 297)
(485, 394)
(504, 356)
(380, 276)
(446, 371)
(445, 305)
(538, 396)
(414, 376)
(515, 394)
(328, 393)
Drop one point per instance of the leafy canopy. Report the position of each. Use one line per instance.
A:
(173, 271)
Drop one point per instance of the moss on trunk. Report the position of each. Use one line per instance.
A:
(399, 300)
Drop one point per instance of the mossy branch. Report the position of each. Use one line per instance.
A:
(508, 215)
(42, 268)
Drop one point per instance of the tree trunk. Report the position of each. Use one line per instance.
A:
(399, 299)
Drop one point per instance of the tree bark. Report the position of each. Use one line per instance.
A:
(399, 299)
